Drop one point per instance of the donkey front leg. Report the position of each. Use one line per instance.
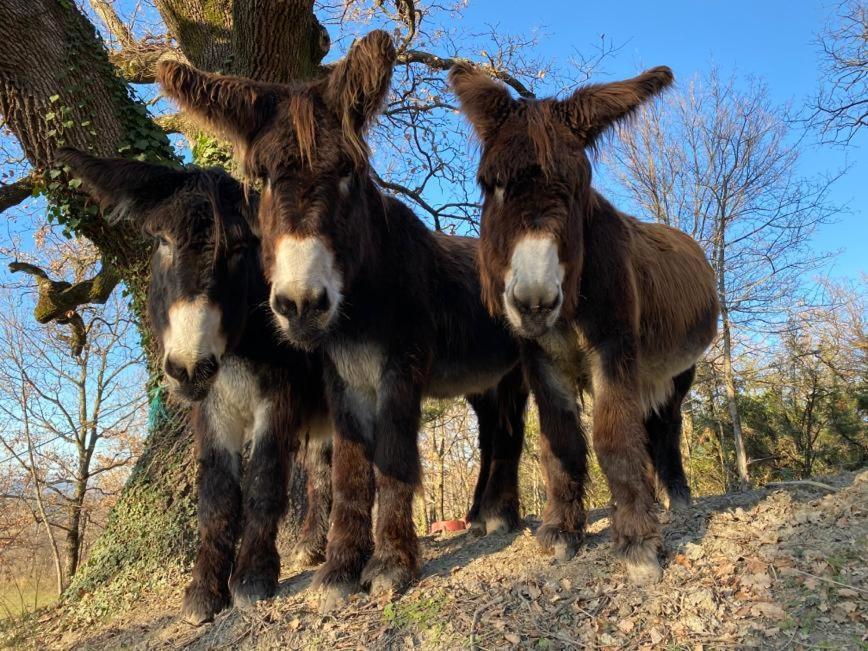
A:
(621, 443)
(349, 540)
(398, 470)
(564, 454)
(219, 512)
(257, 566)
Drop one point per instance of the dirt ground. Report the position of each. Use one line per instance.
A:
(781, 567)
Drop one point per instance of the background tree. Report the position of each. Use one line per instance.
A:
(840, 108)
(722, 165)
(70, 416)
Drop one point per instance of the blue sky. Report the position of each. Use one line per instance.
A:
(772, 39)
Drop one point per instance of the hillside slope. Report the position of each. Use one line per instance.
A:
(781, 567)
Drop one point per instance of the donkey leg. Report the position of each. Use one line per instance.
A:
(481, 403)
(620, 441)
(219, 512)
(257, 566)
(664, 433)
(310, 548)
(396, 457)
(502, 413)
(349, 538)
(564, 454)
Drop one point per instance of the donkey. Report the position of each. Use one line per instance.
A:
(207, 307)
(620, 306)
(394, 307)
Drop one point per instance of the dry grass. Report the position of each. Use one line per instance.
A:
(773, 568)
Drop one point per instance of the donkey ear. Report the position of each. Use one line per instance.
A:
(593, 109)
(485, 102)
(119, 183)
(235, 107)
(358, 84)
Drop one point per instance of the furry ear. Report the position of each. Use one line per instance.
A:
(593, 109)
(119, 183)
(235, 107)
(485, 102)
(357, 85)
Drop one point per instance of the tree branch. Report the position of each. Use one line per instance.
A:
(439, 63)
(113, 22)
(11, 194)
(58, 300)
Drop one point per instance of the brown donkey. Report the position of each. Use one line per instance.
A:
(395, 308)
(622, 307)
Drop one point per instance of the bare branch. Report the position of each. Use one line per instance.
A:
(11, 194)
(440, 63)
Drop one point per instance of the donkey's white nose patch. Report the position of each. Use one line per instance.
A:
(193, 333)
(303, 267)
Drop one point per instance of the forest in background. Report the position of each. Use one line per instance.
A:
(782, 395)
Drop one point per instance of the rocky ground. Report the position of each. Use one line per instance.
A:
(779, 567)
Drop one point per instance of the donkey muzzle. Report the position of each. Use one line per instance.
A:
(191, 383)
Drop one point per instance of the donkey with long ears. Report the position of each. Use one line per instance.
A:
(208, 309)
(395, 308)
(618, 305)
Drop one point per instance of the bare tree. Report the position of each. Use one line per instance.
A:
(70, 418)
(722, 164)
(840, 108)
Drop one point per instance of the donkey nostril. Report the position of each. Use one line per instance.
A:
(175, 370)
(321, 303)
(284, 306)
(552, 305)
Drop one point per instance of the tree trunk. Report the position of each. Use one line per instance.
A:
(73, 523)
(728, 375)
(58, 88)
(732, 405)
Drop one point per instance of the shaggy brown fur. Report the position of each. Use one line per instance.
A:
(639, 303)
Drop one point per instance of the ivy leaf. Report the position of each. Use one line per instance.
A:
(74, 183)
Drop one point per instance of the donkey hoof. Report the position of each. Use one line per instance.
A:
(334, 595)
(249, 590)
(679, 500)
(201, 605)
(563, 544)
(496, 525)
(644, 572)
(382, 577)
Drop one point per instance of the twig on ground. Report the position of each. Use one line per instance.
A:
(802, 482)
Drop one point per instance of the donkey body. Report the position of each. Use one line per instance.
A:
(394, 308)
(207, 305)
(605, 302)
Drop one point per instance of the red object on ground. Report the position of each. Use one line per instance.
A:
(447, 525)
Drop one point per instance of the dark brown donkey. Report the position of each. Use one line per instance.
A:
(395, 308)
(208, 309)
(618, 305)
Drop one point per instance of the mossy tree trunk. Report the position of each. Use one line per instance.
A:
(59, 86)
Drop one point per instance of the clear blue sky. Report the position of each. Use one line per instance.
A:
(772, 39)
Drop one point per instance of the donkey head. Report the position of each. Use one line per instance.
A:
(536, 180)
(204, 257)
(306, 142)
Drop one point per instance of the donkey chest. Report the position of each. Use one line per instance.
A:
(237, 408)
